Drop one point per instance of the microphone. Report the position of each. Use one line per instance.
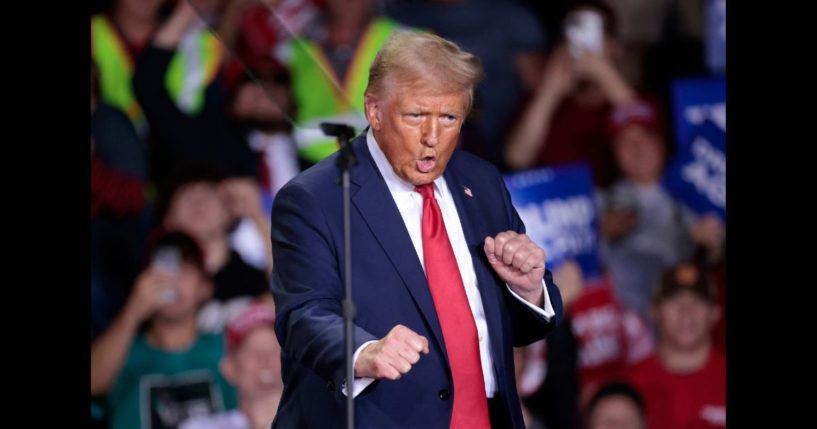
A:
(342, 131)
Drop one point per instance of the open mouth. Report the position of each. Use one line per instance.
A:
(426, 164)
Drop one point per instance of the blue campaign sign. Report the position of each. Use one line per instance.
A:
(697, 176)
(697, 173)
(695, 101)
(558, 208)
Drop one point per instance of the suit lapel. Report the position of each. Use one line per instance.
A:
(465, 197)
(377, 208)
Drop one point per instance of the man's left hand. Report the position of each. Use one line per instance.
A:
(519, 262)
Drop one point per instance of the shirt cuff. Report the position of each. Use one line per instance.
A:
(358, 384)
(547, 312)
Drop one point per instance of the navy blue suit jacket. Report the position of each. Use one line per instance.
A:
(390, 288)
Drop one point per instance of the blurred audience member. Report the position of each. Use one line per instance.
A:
(253, 366)
(684, 384)
(167, 372)
(119, 210)
(600, 340)
(615, 405)
(644, 229)
(177, 84)
(263, 107)
(566, 119)
(610, 337)
(260, 28)
(118, 38)
(329, 65)
(198, 203)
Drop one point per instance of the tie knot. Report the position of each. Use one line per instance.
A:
(427, 190)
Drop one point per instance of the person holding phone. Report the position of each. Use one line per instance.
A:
(565, 120)
(644, 228)
(152, 362)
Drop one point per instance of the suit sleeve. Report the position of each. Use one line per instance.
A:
(528, 325)
(307, 286)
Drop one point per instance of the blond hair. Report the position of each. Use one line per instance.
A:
(410, 56)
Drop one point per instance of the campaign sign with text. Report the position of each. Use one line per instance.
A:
(697, 173)
(697, 176)
(694, 101)
(558, 208)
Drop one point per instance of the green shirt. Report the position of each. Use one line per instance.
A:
(160, 389)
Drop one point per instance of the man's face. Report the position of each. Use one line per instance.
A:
(198, 209)
(685, 320)
(417, 128)
(255, 367)
(616, 412)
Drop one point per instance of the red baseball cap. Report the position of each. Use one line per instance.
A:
(254, 316)
(638, 112)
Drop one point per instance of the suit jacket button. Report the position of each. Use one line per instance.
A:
(330, 385)
(444, 394)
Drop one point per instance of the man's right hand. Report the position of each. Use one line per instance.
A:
(392, 356)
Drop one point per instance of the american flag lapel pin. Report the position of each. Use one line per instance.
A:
(468, 191)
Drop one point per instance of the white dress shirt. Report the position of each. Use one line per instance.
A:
(410, 204)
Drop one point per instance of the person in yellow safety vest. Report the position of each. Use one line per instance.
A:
(192, 69)
(330, 71)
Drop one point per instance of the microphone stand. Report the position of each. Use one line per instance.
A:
(346, 159)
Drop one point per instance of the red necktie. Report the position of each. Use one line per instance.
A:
(456, 319)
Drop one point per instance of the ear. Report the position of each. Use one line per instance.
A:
(227, 367)
(373, 111)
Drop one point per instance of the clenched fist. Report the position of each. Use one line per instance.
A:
(519, 262)
(392, 356)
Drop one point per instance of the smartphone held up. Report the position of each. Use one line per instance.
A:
(584, 31)
(168, 260)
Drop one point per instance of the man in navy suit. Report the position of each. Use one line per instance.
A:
(444, 279)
